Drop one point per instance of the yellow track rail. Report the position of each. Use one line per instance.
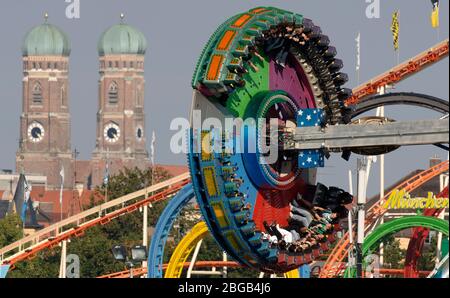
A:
(184, 249)
(187, 245)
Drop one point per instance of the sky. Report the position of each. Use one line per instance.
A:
(177, 31)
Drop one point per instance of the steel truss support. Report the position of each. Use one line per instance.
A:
(370, 135)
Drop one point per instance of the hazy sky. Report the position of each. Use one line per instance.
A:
(177, 31)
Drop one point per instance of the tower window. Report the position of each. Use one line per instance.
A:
(37, 93)
(63, 96)
(113, 93)
(138, 96)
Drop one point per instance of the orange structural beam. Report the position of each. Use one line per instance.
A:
(200, 264)
(332, 266)
(400, 72)
(400, 272)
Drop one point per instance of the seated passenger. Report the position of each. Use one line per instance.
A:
(271, 239)
(281, 234)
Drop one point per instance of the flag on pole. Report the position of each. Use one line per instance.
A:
(106, 176)
(435, 14)
(358, 51)
(27, 190)
(152, 148)
(395, 28)
(61, 173)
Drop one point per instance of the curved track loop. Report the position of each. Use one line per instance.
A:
(162, 229)
(184, 249)
(372, 241)
(75, 226)
(186, 246)
(417, 241)
(403, 98)
(333, 267)
(397, 225)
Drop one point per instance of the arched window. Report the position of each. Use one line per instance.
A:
(63, 96)
(113, 93)
(138, 100)
(37, 93)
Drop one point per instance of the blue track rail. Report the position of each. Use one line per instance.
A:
(162, 229)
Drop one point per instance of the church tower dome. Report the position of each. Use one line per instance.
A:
(122, 39)
(46, 40)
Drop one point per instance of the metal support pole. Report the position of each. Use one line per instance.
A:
(225, 269)
(62, 265)
(145, 225)
(381, 114)
(145, 231)
(194, 259)
(351, 261)
(362, 164)
(443, 182)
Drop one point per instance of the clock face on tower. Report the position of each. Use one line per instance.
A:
(111, 133)
(36, 132)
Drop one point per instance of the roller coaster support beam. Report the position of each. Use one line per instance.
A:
(362, 183)
(335, 137)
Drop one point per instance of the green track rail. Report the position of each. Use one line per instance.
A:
(390, 228)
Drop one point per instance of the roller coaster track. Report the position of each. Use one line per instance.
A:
(184, 249)
(403, 98)
(162, 229)
(76, 225)
(199, 264)
(417, 241)
(400, 72)
(137, 272)
(372, 241)
(333, 265)
(187, 245)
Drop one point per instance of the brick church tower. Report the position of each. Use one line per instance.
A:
(45, 120)
(120, 117)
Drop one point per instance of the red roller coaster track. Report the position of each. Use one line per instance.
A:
(200, 264)
(166, 189)
(417, 241)
(400, 72)
(333, 265)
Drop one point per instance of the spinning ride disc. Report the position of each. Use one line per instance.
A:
(272, 66)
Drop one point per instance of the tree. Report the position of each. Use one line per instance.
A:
(427, 260)
(94, 247)
(393, 255)
(11, 229)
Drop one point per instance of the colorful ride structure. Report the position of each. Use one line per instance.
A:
(271, 64)
(264, 64)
